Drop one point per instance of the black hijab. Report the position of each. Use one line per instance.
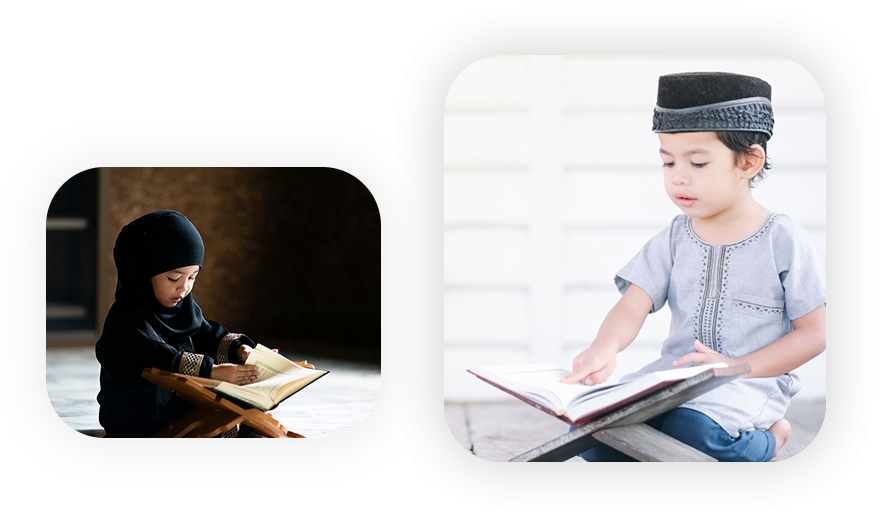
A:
(152, 244)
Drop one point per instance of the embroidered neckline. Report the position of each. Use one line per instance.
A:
(755, 234)
(714, 281)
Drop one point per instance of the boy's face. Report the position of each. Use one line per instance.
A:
(701, 174)
(172, 286)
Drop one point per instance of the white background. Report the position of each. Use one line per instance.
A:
(552, 182)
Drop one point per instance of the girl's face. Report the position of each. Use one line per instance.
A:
(172, 286)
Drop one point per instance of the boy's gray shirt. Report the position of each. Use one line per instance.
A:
(736, 299)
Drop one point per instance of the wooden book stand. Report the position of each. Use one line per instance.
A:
(625, 431)
(212, 413)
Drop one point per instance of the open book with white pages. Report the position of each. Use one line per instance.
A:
(278, 379)
(576, 403)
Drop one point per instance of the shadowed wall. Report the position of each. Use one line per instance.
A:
(292, 254)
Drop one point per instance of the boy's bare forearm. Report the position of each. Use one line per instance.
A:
(624, 321)
(619, 328)
(806, 341)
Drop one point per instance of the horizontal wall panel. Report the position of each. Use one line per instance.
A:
(595, 255)
(499, 82)
(499, 140)
(630, 196)
(485, 197)
(610, 139)
(486, 256)
(479, 315)
(585, 309)
(801, 194)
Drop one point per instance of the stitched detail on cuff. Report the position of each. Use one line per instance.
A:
(190, 364)
(224, 345)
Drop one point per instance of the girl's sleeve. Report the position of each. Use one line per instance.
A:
(213, 342)
(227, 345)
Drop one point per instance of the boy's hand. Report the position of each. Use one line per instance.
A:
(233, 373)
(703, 355)
(592, 366)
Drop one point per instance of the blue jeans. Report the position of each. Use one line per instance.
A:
(699, 431)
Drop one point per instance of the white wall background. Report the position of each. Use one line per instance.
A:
(552, 182)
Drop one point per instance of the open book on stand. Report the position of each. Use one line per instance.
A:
(576, 403)
(278, 379)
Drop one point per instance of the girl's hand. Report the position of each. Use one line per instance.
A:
(703, 355)
(233, 373)
(243, 352)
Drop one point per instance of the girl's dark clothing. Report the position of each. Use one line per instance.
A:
(131, 406)
(139, 332)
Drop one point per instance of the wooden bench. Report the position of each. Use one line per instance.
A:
(625, 431)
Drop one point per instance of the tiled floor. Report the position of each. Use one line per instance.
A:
(332, 406)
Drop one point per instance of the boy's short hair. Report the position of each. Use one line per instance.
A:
(741, 142)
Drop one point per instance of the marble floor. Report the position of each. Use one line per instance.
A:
(333, 405)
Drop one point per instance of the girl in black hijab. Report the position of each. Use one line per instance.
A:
(154, 322)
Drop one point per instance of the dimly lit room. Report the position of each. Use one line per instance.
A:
(292, 259)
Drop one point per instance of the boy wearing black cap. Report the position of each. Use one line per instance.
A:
(744, 285)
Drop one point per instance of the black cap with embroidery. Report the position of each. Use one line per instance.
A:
(713, 101)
